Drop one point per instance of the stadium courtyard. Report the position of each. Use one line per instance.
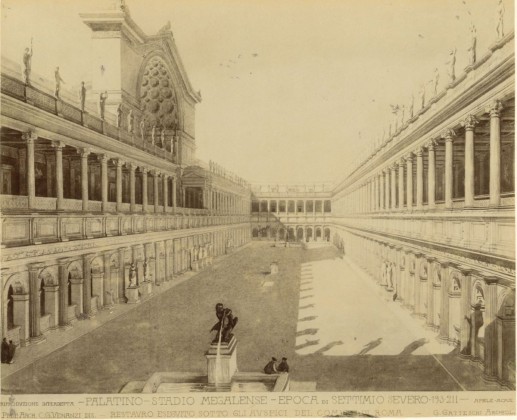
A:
(337, 328)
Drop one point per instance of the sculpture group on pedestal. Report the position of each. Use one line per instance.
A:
(225, 325)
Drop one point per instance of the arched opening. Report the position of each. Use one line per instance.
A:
(281, 234)
(69, 287)
(273, 232)
(327, 234)
(309, 234)
(10, 308)
(255, 233)
(299, 234)
(318, 234)
(291, 234)
(42, 297)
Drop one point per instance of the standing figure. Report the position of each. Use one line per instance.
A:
(58, 81)
(473, 42)
(132, 275)
(162, 138)
(119, 116)
(226, 324)
(102, 102)
(27, 63)
(146, 269)
(500, 20)
(142, 128)
(82, 95)
(452, 65)
(422, 96)
(436, 80)
(411, 106)
(130, 121)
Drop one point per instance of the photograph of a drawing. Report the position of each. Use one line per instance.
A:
(249, 197)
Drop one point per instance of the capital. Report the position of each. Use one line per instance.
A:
(495, 108)
(431, 144)
(84, 152)
(448, 134)
(419, 152)
(119, 163)
(29, 136)
(132, 166)
(469, 123)
(103, 158)
(58, 145)
(402, 161)
(409, 157)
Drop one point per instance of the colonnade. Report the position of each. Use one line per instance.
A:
(302, 206)
(468, 307)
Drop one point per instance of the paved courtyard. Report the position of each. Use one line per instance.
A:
(335, 326)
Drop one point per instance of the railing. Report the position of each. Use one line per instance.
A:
(19, 90)
(20, 230)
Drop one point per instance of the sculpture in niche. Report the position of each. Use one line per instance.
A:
(132, 275)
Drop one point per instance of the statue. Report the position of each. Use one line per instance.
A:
(142, 128)
(130, 121)
(153, 134)
(411, 107)
(452, 65)
(226, 324)
(473, 42)
(146, 269)
(422, 96)
(119, 115)
(132, 275)
(500, 20)
(58, 81)
(82, 95)
(436, 80)
(27, 63)
(102, 101)
(162, 137)
(165, 28)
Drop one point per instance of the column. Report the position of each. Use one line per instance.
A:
(431, 174)
(165, 180)
(465, 309)
(132, 198)
(87, 283)
(34, 302)
(122, 275)
(381, 195)
(59, 174)
(119, 164)
(144, 190)
(30, 138)
(444, 315)
(448, 136)
(104, 182)
(419, 179)
(174, 193)
(469, 123)
(108, 298)
(401, 184)
(157, 279)
(155, 190)
(84, 177)
(490, 328)
(495, 152)
(387, 190)
(63, 293)
(393, 177)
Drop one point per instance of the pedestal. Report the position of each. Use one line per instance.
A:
(274, 268)
(132, 294)
(221, 372)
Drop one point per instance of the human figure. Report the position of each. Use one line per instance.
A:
(130, 121)
(452, 65)
(27, 63)
(132, 275)
(270, 368)
(436, 80)
(142, 128)
(226, 324)
(146, 269)
(422, 96)
(162, 137)
(82, 95)
(5, 351)
(500, 20)
(12, 350)
(102, 102)
(58, 81)
(473, 43)
(411, 107)
(119, 115)
(283, 366)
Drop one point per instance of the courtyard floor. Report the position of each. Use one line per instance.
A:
(333, 323)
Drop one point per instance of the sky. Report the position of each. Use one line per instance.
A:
(293, 91)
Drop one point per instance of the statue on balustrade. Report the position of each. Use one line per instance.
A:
(452, 65)
(500, 19)
(473, 43)
(162, 138)
(153, 134)
(119, 116)
(58, 81)
(27, 63)
(142, 129)
(102, 102)
(82, 95)
(436, 80)
(225, 325)
(132, 276)
(130, 121)
(422, 96)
